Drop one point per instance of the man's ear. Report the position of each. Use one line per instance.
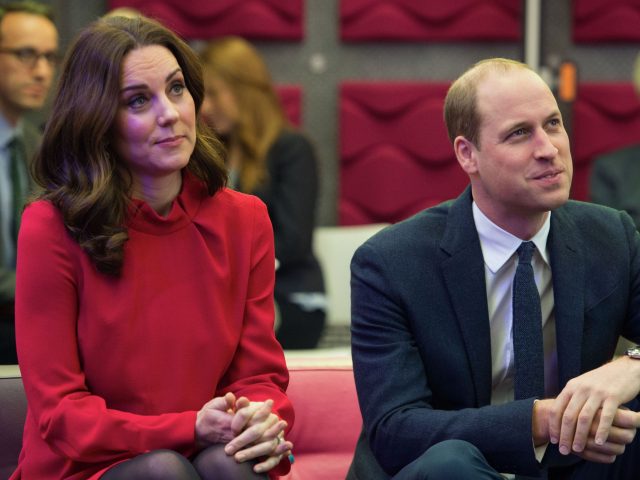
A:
(466, 154)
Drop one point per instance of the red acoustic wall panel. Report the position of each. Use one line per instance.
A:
(203, 19)
(420, 20)
(291, 99)
(395, 156)
(606, 20)
(606, 116)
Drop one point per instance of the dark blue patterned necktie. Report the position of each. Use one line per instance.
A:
(527, 329)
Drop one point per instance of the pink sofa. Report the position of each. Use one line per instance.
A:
(321, 388)
(328, 419)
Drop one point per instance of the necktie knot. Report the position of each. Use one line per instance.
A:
(525, 252)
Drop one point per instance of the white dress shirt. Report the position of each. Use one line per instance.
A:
(500, 262)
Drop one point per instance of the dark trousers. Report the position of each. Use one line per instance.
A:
(8, 355)
(299, 329)
(449, 460)
(460, 460)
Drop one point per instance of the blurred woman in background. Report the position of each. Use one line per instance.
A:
(269, 158)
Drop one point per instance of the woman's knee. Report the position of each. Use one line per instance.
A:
(213, 463)
(154, 465)
(168, 464)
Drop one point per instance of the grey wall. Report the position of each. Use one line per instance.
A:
(320, 62)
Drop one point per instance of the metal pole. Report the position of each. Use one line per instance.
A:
(532, 28)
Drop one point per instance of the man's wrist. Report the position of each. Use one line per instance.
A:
(540, 422)
(633, 364)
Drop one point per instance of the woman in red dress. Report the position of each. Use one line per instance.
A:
(144, 304)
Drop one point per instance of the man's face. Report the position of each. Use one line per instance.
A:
(522, 166)
(24, 87)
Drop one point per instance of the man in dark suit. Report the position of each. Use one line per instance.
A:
(615, 176)
(28, 52)
(442, 368)
(615, 181)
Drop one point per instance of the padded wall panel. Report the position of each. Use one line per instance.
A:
(395, 156)
(420, 20)
(291, 99)
(606, 116)
(203, 19)
(606, 20)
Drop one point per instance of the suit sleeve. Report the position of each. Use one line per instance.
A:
(394, 391)
(74, 422)
(258, 370)
(631, 328)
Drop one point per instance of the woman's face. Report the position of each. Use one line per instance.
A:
(155, 130)
(219, 108)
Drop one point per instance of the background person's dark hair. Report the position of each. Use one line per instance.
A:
(77, 166)
(27, 6)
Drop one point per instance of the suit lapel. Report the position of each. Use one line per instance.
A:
(464, 277)
(567, 265)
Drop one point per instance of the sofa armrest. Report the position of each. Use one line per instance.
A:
(13, 410)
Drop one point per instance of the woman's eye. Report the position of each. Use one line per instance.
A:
(137, 101)
(177, 88)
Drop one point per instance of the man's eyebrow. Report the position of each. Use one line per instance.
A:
(525, 124)
(555, 114)
(514, 126)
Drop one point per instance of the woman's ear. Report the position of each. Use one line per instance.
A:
(466, 154)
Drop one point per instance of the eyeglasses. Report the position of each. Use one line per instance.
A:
(29, 56)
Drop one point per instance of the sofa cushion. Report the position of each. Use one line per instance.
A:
(328, 421)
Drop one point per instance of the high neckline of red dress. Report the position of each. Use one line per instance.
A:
(184, 207)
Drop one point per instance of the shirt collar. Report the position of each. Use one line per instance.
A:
(498, 245)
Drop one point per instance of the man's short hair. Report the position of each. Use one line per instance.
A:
(460, 106)
(27, 6)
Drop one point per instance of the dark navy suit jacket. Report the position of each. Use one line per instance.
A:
(420, 330)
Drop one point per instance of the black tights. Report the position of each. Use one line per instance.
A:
(210, 464)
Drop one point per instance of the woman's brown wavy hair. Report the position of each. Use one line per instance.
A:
(77, 166)
(261, 116)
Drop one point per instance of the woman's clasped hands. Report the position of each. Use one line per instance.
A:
(250, 430)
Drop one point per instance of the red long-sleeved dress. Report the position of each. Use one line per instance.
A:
(115, 367)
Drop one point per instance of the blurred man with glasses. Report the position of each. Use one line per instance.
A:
(28, 55)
